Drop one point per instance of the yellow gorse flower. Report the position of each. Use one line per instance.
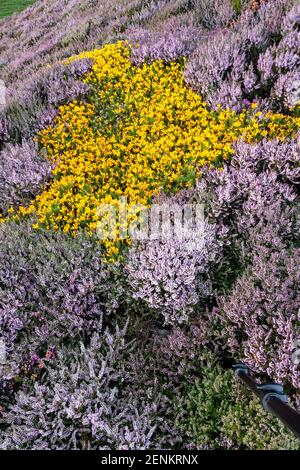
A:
(141, 132)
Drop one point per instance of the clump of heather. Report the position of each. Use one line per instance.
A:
(256, 198)
(216, 14)
(52, 288)
(261, 317)
(280, 67)
(59, 84)
(89, 397)
(37, 102)
(172, 274)
(24, 172)
(173, 42)
(256, 59)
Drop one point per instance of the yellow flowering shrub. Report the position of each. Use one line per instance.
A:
(141, 132)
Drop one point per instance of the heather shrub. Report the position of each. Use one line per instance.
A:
(88, 398)
(224, 73)
(252, 202)
(256, 199)
(252, 428)
(173, 42)
(260, 319)
(202, 407)
(50, 31)
(35, 107)
(214, 14)
(172, 275)
(215, 413)
(4, 129)
(140, 131)
(256, 59)
(24, 172)
(51, 288)
(59, 84)
(257, 192)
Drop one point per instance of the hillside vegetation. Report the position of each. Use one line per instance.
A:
(112, 337)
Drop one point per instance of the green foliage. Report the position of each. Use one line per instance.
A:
(201, 410)
(215, 412)
(250, 426)
(8, 7)
(237, 5)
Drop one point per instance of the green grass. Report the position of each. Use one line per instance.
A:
(7, 7)
(237, 5)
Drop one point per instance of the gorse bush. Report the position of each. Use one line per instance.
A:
(142, 131)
